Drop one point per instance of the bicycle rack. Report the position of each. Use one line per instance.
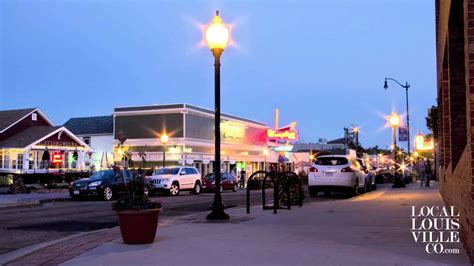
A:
(288, 182)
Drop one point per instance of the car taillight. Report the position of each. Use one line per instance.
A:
(313, 169)
(347, 169)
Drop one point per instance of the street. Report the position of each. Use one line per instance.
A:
(28, 226)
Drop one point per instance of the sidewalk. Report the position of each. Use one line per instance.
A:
(373, 229)
(8, 201)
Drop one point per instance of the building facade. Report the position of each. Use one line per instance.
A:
(455, 75)
(98, 133)
(30, 143)
(191, 138)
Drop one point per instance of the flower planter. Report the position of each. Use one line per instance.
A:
(138, 227)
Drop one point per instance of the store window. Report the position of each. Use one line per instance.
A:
(6, 160)
(19, 160)
(1, 159)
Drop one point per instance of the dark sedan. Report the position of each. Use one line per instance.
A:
(105, 184)
(228, 182)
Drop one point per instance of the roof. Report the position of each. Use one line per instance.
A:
(181, 105)
(8, 117)
(27, 136)
(91, 125)
(337, 141)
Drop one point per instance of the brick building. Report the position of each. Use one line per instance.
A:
(455, 74)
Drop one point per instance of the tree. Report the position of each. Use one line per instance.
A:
(432, 121)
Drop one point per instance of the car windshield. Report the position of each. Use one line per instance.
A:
(209, 177)
(167, 171)
(103, 174)
(331, 161)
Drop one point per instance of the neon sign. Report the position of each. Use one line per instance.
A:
(284, 148)
(284, 133)
(57, 158)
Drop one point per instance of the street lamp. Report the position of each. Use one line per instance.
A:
(164, 140)
(265, 154)
(356, 133)
(217, 36)
(406, 86)
(394, 121)
(311, 158)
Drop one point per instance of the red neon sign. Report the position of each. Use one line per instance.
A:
(284, 133)
(57, 158)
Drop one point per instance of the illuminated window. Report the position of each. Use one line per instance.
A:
(19, 164)
(34, 117)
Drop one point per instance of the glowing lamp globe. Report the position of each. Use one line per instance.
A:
(394, 120)
(217, 34)
(164, 138)
(265, 152)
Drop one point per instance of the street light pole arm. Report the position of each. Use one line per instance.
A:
(403, 86)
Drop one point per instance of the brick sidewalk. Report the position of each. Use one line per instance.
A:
(65, 250)
(70, 248)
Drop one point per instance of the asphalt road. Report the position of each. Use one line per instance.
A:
(24, 227)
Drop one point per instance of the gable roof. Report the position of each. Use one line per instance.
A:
(27, 136)
(91, 125)
(8, 117)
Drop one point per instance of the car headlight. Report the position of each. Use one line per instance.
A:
(213, 183)
(95, 183)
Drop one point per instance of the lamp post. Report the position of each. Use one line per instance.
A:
(217, 36)
(406, 86)
(394, 120)
(356, 133)
(164, 140)
(265, 154)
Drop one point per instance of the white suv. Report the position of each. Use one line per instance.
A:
(177, 178)
(336, 172)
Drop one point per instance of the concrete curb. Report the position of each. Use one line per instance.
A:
(36, 203)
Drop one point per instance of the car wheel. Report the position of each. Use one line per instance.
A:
(108, 193)
(313, 192)
(174, 189)
(197, 188)
(355, 190)
(234, 188)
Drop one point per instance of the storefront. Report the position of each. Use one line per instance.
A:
(191, 138)
(30, 144)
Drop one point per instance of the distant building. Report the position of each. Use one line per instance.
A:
(31, 143)
(98, 133)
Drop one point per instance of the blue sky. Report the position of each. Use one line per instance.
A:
(322, 63)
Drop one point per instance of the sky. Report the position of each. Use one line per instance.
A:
(322, 63)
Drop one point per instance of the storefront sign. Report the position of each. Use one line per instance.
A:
(284, 133)
(422, 144)
(57, 158)
(285, 148)
(232, 131)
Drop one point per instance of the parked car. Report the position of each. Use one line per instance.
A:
(228, 182)
(175, 179)
(105, 184)
(369, 178)
(336, 173)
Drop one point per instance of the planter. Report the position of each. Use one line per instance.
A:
(138, 227)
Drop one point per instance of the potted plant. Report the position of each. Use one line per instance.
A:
(137, 214)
